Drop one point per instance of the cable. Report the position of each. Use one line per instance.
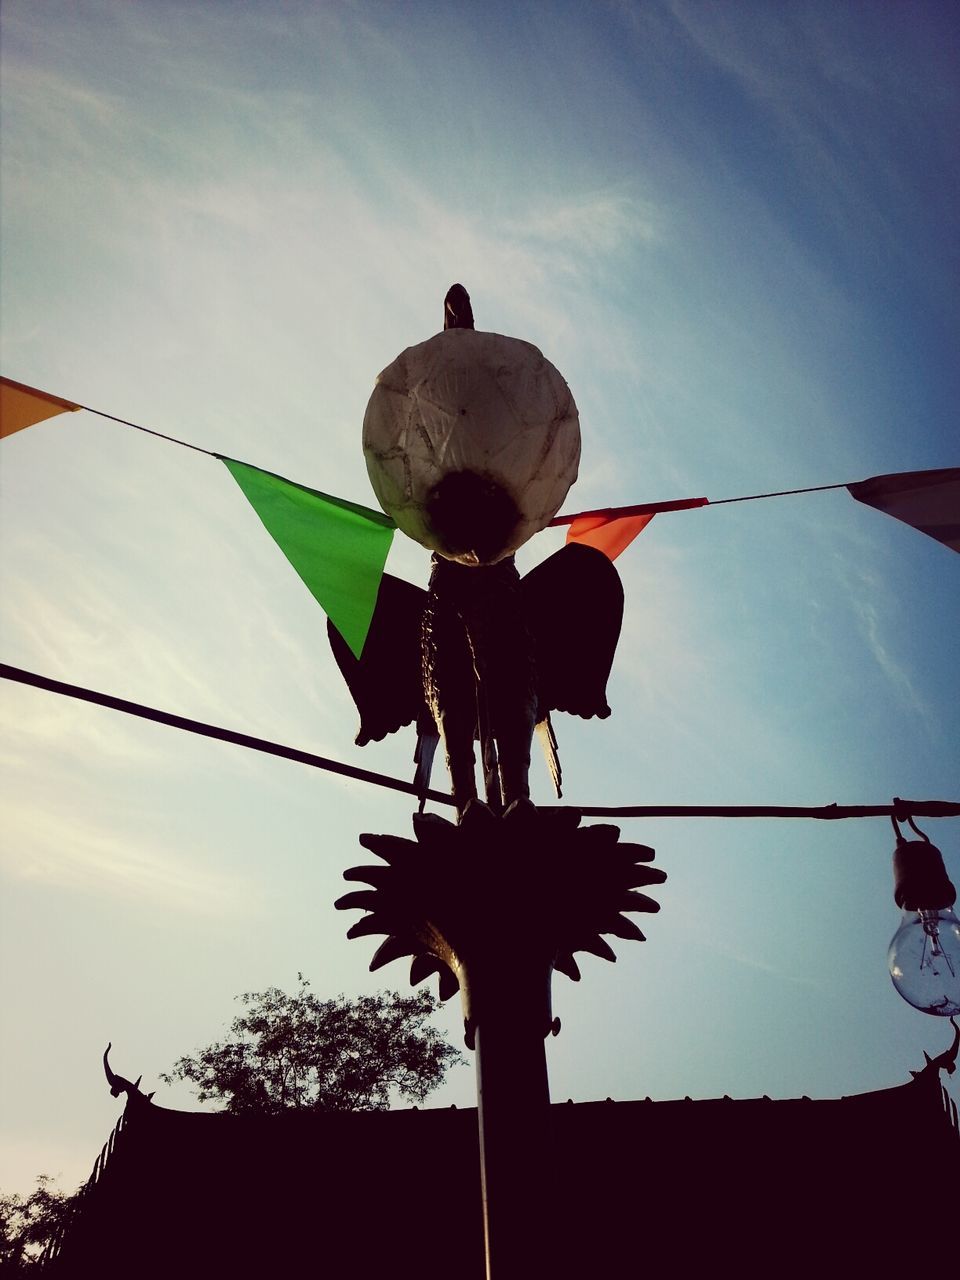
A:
(643, 508)
(214, 731)
(781, 493)
(904, 808)
(922, 808)
(125, 422)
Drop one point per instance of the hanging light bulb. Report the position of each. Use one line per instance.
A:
(924, 954)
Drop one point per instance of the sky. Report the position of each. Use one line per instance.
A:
(734, 230)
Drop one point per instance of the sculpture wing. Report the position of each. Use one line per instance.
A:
(386, 682)
(574, 603)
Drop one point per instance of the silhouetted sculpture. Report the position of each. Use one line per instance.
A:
(486, 653)
(483, 653)
(472, 441)
(118, 1084)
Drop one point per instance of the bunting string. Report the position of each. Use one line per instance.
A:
(339, 548)
(125, 422)
(781, 493)
(606, 513)
(901, 809)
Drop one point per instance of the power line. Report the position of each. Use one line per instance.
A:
(899, 808)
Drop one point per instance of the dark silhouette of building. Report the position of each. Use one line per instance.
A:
(857, 1185)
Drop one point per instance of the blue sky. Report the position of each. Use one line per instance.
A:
(734, 230)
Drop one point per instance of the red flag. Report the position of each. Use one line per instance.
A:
(609, 536)
(927, 500)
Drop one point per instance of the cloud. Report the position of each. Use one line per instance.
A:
(754, 961)
(846, 106)
(586, 225)
(35, 721)
(314, 230)
(63, 108)
(867, 592)
(872, 627)
(78, 852)
(79, 615)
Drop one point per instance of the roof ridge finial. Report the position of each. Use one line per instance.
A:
(119, 1084)
(946, 1061)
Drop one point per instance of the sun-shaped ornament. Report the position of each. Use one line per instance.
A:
(494, 905)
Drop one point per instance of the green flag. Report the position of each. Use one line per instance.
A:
(338, 548)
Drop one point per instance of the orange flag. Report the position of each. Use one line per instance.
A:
(22, 406)
(609, 536)
(612, 529)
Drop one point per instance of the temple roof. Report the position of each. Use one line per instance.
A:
(396, 1193)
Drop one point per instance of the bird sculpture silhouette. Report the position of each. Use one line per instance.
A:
(483, 653)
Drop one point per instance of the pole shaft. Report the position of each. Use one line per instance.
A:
(513, 1105)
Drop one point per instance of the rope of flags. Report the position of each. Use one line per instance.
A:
(339, 548)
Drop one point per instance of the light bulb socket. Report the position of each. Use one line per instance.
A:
(920, 880)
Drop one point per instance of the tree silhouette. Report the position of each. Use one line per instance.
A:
(27, 1223)
(299, 1052)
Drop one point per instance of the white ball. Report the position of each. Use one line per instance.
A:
(477, 404)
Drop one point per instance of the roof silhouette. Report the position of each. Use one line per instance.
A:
(762, 1184)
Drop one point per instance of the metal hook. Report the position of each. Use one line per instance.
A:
(901, 814)
(922, 834)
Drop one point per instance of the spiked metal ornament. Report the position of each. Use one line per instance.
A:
(495, 904)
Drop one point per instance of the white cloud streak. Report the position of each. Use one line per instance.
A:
(82, 854)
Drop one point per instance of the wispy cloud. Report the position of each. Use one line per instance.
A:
(586, 225)
(39, 726)
(87, 855)
(75, 628)
(751, 960)
(63, 107)
(875, 610)
(843, 106)
(873, 629)
(72, 622)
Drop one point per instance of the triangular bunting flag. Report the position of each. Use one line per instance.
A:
(338, 548)
(927, 500)
(612, 529)
(22, 406)
(609, 536)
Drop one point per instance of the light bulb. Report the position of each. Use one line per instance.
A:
(924, 960)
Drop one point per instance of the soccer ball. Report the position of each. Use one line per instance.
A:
(471, 441)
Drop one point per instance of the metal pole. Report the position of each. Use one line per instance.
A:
(513, 1105)
(494, 905)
